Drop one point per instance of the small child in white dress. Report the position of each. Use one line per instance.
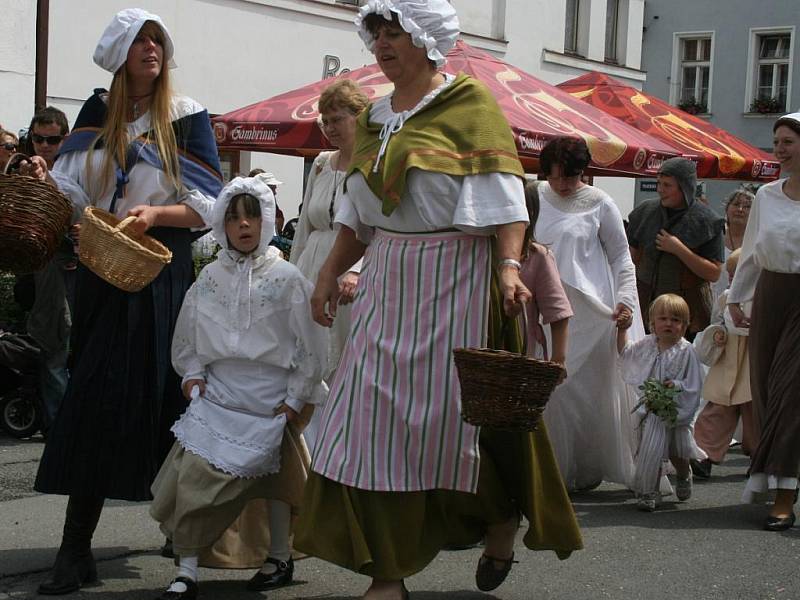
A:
(666, 356)
(251, 358)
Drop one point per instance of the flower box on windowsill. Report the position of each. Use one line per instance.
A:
(767, 106)
(693, 107)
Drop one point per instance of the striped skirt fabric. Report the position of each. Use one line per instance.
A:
(392, 421)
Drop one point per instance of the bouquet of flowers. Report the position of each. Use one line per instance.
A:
(659, 399)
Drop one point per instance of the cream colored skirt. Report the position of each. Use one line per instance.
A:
(202, 509)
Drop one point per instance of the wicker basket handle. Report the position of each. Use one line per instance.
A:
(122, 225)
(14, 161)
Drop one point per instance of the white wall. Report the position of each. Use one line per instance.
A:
(17, 62)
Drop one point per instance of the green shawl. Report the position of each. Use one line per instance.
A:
(462, 131)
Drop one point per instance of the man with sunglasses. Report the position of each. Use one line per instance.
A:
(8, 146)
(48, 129)
(49, 319)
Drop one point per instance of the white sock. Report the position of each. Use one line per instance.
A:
(187, 567)
(280, 514)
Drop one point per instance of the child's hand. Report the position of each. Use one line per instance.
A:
(285, 409)
(189, 384)
(720, 337)
(623, 316)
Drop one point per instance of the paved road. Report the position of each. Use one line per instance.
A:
(708, 548)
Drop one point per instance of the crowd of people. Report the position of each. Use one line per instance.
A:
(418, 234)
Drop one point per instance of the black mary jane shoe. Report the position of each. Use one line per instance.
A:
(487, 577)
(189, 594)
(779, 523)
(283, 575)
(69, 574)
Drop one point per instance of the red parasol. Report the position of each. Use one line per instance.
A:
(536, 111)
(719, 154)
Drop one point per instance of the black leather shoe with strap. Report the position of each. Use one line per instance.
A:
(487, 576)
(281, 576)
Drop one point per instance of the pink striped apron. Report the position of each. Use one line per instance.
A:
(392, 420)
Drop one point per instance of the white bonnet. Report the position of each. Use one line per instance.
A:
(795, 116)
(255, 186)
(432, 24)
(112, 49)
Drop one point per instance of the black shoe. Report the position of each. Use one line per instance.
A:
(166, 549)
(701, 468)
(69, 574)
(779, 523)
(282, 576)
(487, 577)
(189, 594)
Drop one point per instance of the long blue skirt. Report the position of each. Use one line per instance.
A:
(112, 431)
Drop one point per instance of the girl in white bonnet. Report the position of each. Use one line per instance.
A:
(250, 358)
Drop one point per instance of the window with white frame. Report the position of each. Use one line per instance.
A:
(772, 72)
(571, 29)
(694, 73)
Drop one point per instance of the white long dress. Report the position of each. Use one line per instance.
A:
(314, 239)
(589, 415)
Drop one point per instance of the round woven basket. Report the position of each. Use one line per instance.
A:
(111, 253)
(34, 218)
(505, 390)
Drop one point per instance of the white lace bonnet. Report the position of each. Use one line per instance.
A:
(255, 186)
(432, 24)
(112, 49)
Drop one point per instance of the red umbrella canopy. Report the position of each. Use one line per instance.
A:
(718, 154)
(536, 111)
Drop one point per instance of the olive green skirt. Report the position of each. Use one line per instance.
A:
(392, 535)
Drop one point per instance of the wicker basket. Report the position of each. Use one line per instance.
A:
(505, 390)
(111, 253)
(34, 217)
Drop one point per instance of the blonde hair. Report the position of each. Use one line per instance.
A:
(733, 260)
(344, 94)
(114, 132)
(668, 304)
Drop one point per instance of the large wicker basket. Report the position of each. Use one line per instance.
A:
(505, 390)
(111, 253)
(34, 217)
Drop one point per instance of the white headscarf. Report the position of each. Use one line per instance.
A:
(432, 24)
(255, 186)
(112, 49)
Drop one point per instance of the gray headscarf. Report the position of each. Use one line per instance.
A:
(685, 172)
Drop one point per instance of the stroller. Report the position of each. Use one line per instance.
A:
(21, 413)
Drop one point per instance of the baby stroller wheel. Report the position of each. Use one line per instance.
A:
(19, 415)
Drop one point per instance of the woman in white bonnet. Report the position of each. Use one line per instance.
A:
(138, 150)
(768, 274)
(434, 202)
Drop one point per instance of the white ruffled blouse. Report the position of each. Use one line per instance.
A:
(246, 328)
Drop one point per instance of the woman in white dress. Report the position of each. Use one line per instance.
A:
(589, 415)
(339, 105)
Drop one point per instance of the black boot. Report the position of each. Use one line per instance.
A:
(74, 564)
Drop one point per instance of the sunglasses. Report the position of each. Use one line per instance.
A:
(52, 140)
(9, 147)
